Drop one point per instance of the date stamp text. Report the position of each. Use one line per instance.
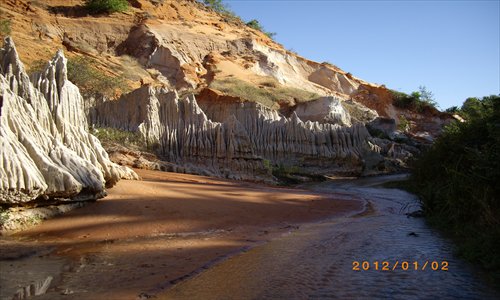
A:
(400, 265)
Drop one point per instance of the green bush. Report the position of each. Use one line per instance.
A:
(457, 181)
(473, 108)
(5, 27)
(269, 94)
(452, 110)
(285, 174)
(417, 101)
(256, 25)
(267, 165)
(82, 71)
(229, 16)
(92, 81)
(106, 6)
(122, 137)
(404, 124)
(216, 5)
(220, 7)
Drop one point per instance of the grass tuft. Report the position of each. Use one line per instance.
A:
(269, 94)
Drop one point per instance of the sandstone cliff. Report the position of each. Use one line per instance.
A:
(186, 45)
(189, 44)
(234, 139)
(252, 104)
(47, 155)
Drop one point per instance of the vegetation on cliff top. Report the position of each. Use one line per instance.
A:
(457, 181)
(418, 101)
(106, 6)
(255, 24)
(220, 7)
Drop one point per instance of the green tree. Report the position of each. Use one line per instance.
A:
(106, 6)
(417, 101)
(426, 96)
(472, 108)
(453, 110)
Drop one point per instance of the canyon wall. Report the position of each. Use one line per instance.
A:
(181, 55)
(234, 139)
(47, 154)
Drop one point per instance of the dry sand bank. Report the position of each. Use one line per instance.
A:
(147, 235)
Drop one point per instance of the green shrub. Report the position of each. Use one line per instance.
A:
(473, 108)
(220, 7)
(82, 71)
(5, 27)
(283, 170)
(453, 110)
(229, 16)
(106, 6)
(267, 165)
(417, 101)
(216, 5)
(286, 174)
(457, 181)
(404, 124)
(256, 25)
(268, 95)
(122, 137)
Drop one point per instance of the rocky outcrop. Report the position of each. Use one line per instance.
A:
(324, 110)
(334, 80)
(358, 112)
(182, 133)
(47, 155)
(234, 139)
(174, 43)
(382, 127)
(179, 54)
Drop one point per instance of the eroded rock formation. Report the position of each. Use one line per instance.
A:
(46, 152)
(324, 110)
(186, 45)
(234, 139)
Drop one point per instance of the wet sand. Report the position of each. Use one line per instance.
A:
(319, 260)
(148, 235)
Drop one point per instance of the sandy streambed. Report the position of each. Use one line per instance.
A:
(148, 235)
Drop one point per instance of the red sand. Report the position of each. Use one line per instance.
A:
(150, 232)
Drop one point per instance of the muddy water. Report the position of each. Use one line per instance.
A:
(316, 261)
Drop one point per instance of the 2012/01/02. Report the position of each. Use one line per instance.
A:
(403, 265)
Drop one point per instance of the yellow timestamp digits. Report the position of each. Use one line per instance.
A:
(403, 265)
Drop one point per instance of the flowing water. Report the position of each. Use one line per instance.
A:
(316, 262)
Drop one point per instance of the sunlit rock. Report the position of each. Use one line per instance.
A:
(47, 153)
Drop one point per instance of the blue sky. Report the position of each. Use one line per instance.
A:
(451, 47)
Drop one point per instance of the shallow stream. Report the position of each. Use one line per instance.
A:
(317, 261)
